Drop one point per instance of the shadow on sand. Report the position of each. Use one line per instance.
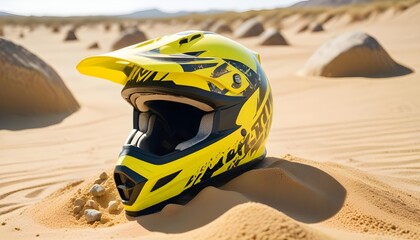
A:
(300, 191)
(17, 122)
(400, 70)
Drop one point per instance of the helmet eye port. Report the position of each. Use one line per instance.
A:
(169, 126)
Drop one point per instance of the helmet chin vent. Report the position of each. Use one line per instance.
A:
(129, 184)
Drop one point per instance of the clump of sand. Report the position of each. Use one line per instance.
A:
(67, 207)
(352, 54)
(129, 37)
(29, 86)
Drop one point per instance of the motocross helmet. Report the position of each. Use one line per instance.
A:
(202, 110)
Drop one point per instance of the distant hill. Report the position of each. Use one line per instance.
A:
(319, 3)
(5, 14)
(149, 13)
(156, 13)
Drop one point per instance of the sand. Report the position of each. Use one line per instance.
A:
(343, 154)
(367, 57)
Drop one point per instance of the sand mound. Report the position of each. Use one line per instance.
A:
(55, 29)
(303, 28)
(255, 221)
(249, 28)
(57, 210)
(121, 27)
(371, 206)
(353, 54)
(206, 25)
(410, 16)
(324, 17)
(311, 27)
(29, 86)
(221, 27)
(107, 27)
(129, 37)
(305, 192)
(250, 221)
(291, 21)
(316, 27)
(290, 194)
(272, 37)
(71, 35)
(94, 45)
(339, 21)
(266, 185)
(236, 23)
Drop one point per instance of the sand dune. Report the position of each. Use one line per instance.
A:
(250, 221)
(343, 154)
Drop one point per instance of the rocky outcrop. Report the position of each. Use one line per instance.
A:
(353, 54)
(29, 86)
(129, 37)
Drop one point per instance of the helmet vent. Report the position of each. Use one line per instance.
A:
(129, 184)
(182, 41)
(195, 37)
(165, 180)
(195, 54)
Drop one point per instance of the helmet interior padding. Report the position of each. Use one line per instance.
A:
(205, 129)
(139, 100)
(170, 126)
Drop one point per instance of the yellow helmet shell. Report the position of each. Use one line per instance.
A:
(202, 109)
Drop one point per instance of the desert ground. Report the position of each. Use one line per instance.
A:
(343, 156)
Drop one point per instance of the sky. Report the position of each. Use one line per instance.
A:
(114, 7)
